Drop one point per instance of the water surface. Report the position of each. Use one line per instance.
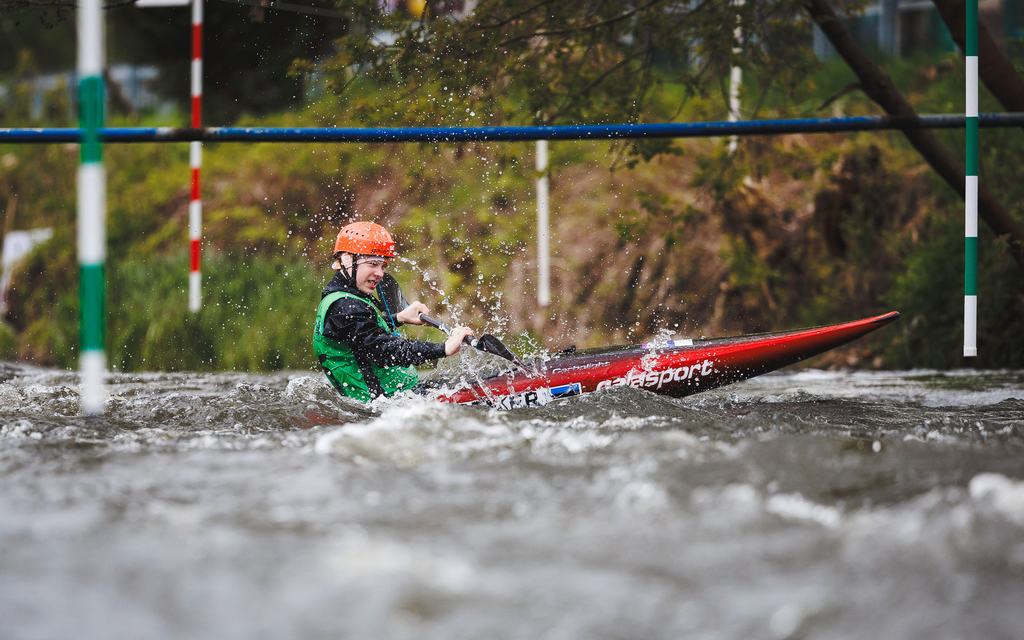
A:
(807, 504)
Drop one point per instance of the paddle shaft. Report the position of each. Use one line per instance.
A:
(438, 324)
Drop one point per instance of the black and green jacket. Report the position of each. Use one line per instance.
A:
(354, 321)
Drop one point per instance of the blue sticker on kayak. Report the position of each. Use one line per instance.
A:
(566, 390)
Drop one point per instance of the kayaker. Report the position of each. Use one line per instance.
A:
(356, 338)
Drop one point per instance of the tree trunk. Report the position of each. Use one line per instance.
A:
(118, 101)
(880, 88)
(995, 69)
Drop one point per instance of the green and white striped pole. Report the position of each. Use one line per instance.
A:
(92, 186)
(971, 185)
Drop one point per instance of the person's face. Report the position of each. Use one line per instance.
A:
(370, 272)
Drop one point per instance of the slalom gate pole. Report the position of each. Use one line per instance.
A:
(92, 186)
(195, 155)
(971, 184)
(736, 75)
(543, 227)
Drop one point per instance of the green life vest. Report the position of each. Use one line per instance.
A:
(339, 362)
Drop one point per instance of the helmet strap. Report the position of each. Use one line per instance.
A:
(345, 272)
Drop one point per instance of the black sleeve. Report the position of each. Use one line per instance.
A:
(356, 323)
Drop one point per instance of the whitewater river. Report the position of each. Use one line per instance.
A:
(804, 504)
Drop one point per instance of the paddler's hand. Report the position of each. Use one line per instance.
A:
(454, 341)
(411, 314)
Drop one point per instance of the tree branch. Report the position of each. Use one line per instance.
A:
(608, 72)
(849, 88)
(512, 18)
(995, 69)
(581, 29)
(880, 88)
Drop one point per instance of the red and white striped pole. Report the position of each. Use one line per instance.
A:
(195, 154)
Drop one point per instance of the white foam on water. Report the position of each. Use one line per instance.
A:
(728, 507)
(11, 399)
(946, 532)
(410, 431)
(570, 441)
(794, 506)
(362, 556)
(742, 504)
(175, 515)
(18, 430)
(631, 423)
(36, 397)
(413, 430)
(641, 495)
(632, 488)
(305, 387)
(999, 494)
(786, 621)
(736, 495)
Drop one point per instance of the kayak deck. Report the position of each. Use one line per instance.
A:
(675, 371)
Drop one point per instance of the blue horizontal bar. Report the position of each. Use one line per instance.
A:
(482, 134)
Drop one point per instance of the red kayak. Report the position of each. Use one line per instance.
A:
(676, 369)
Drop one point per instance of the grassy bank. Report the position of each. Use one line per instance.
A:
(256, 316)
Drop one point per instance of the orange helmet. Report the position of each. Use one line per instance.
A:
(365, 238)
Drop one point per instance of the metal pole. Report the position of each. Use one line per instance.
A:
(447, 135)
(735, 76)
(543, 248)
(971, 185)
(92, 186)
(195, 205)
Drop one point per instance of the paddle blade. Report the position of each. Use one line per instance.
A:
(391, 293)
(490, 344)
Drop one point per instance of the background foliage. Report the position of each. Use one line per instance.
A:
(667, 236)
